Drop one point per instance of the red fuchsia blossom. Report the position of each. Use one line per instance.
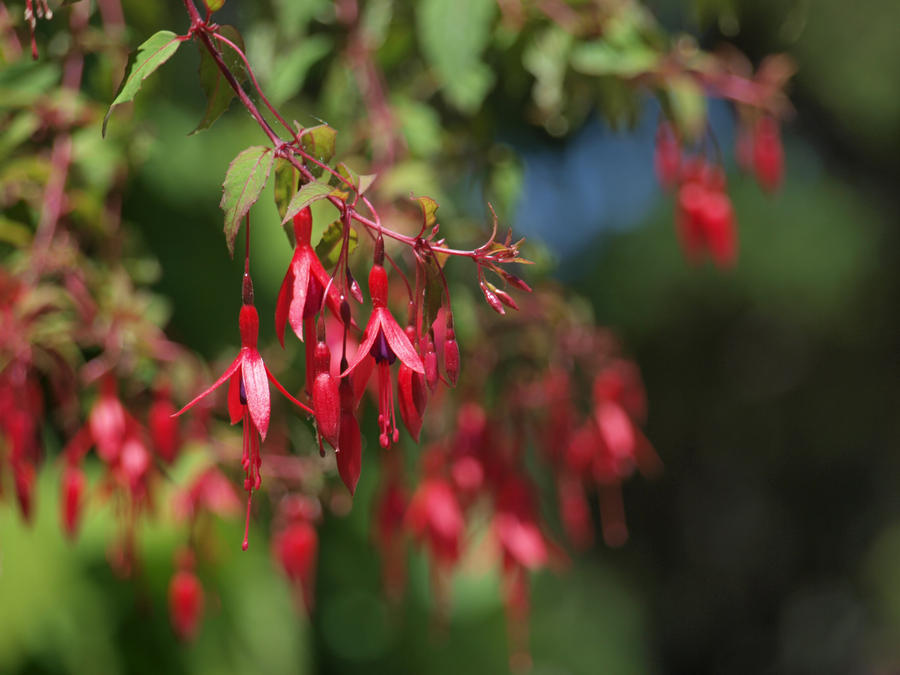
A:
(515, 525)
(349, 450)
(768, 154)
(704, 216)
(163, 426)
(132, 469)
(21, 409)
(210, 491)
(385, 341)
(574, 510)
(303, 288)
(325, 395)
(185, 603)
(435, 519)
(667, 156)
(296, 550)
(107, 421)
(71, 502)
(248, 395)
(388, 530)
(412, 394)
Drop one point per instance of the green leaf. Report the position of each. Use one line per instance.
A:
(351, 178)
(688, 106)
(247, 175)
(358, 182)
(319, 142)
(376, 21)
(429, 208)
(434, 290)
(14, 232)
(453, 34)
(420, 125)
(286, 177)
(309, 193)
(602, 58)
(547, 59)
(329, 247)
(18, 130)
(214, 5)
(365, 182)
(141, 64)
(291, 68)
(218, 92)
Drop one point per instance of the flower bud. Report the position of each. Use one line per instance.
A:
(451, 355)
(516, 281)
(352, 284)
(492, 299)
(431, 364)
(506, 298)
(326, 404)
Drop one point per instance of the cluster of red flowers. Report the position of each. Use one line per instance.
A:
(704, 216)
(21, 400)
(472, 490)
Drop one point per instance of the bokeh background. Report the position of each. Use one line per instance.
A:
(770, 543)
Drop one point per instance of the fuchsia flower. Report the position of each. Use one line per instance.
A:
(411, 388)
(349, 451)
(73, 483)
(303, 288)
(516, 525)
(768, 155)
(248, 395)
(667, 155)
(388, 528)
(435, 518)
(163, 426)
(185, 600)
(107, 421)
(705, 217)
(386, 342)
(296, 549)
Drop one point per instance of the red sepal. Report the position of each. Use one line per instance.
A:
(413, 397)
(349, 454)
(256, 389)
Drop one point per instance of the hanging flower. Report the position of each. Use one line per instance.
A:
(303, 288)
(248, 395)
(185, 599)
(386, 342)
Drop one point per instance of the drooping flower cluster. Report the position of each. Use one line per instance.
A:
(474, 462)
(704, 215)
(248, 396)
